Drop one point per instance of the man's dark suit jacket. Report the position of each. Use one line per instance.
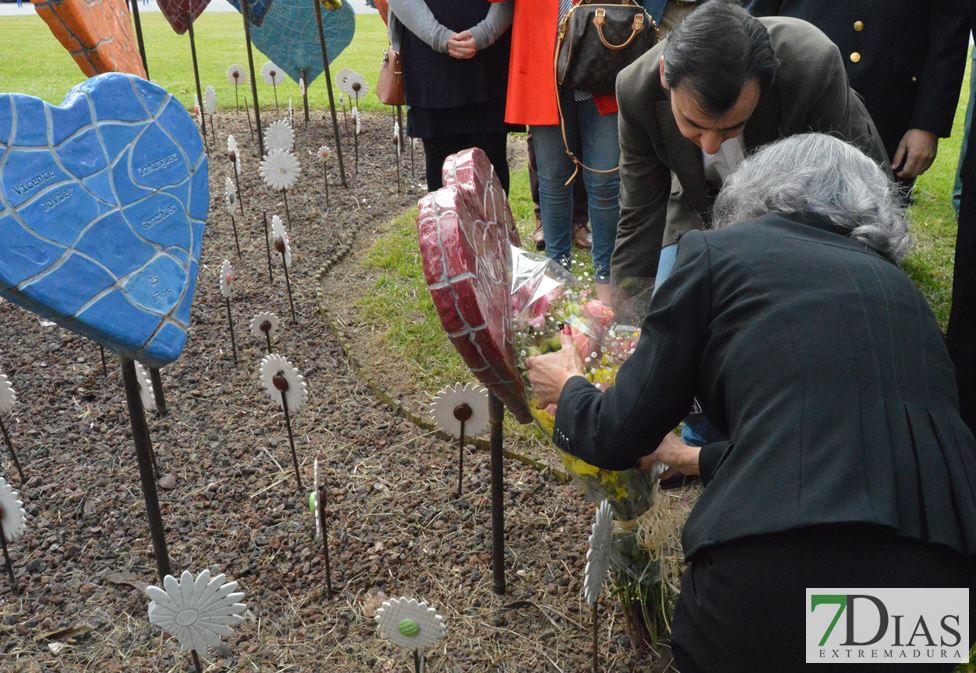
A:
(905, 57)
(810, 93)
(822, 364)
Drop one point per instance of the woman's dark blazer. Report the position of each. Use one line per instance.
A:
(821, 362)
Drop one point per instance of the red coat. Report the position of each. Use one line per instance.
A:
(531, 72)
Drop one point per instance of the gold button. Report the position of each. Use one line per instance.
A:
(855, 57)
(914, 78)
(859, 25)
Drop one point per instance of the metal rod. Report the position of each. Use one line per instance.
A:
(416, 661)
(328, 88)
(230, 323)
(246, 12)
(140, 437)
(196, 661)
(275, 87)
(247, 111)
(237, 185)
(596, 637)
(237, 242)
(196, 77)
(291, 304)
(13, 454)
(142, 45)
(6, 557)
(305, 93)
(461, 461)
(267, 240)
(157, 385)
(284, 193)
(267, 337)
(101, 350)
(237, 97)
(291, 440)
(325, 168)
(323, 523)
(496, 414)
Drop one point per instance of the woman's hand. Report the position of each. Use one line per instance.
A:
(548, 373)
(462, 46)
(678, 456)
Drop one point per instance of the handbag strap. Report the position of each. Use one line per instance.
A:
(577, 164)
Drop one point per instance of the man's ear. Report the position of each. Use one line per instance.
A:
(664, 85)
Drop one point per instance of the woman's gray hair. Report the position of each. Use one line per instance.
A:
(817, 173)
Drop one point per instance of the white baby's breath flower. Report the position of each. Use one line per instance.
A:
(280, 169)
(197, 612)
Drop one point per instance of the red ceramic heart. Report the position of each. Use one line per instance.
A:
(465, 230)
(181, 13)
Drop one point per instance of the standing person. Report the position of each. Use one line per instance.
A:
(455, 70)
(720, 85)
(591, 131)
(905, 57)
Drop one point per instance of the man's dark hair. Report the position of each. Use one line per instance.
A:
(715, 51)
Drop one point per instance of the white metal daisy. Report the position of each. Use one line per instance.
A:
(598, 554)
(410, 623)
(196, 108)
(280, 169)
(265, 323)
(272, 74)
(324, 153)
(279, 233)
(356, 120)
(313, 500)
(236, 74)
(226, 280)
(301, 85)
(231, 143)
(342, 78)
(8, 398)
(145, 388)
(280, 136)
(276, 371)
(291, 110)
(210, 100)
(353, 84)
(230, 195)
(396, 136)
(197, 612)
(448, 403)
(13, 518)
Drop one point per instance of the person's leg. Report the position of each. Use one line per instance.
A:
(436, 150)
(538, 237)
(495, 146)
(554, 168)
(957, 187)
(602, 151)
(961, 332)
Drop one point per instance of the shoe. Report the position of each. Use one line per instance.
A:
(582, 237)
(538, 237)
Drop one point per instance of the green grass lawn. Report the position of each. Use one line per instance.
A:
(32, 61)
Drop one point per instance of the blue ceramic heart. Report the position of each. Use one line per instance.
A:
(256, 9)
(103, 202)
(289, 36)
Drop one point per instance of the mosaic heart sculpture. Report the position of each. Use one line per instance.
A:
(102, 208)
(289, 36)
(256, 9)
(181, 13)
(465, 229)
(97, 34)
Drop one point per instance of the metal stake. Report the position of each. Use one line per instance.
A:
(305, 94)
(230, 322)
(284, 192)
(237, 93)
(237, 183)
(13, 454)
(291, 303)
(281, 383)
(196, 661)
(275, 87)
(246, 12)
(237, 243)
(140, 437)
(462, 413)
(196, 77)
(142, 45)
(101, 350)
(328, 88)
(416, 662)
(266, 328)
(325, 169)
(157, 384)
(267, 241)
(496, 414)
(6, 556)
(247, 111)
(596, 637)
(323, 522)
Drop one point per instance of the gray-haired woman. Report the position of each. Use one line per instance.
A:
(847, 464)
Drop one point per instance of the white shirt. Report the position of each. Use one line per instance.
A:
(720, 165)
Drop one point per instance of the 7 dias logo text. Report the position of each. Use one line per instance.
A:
(898, 626)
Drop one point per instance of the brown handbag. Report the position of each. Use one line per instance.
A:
(389, 87)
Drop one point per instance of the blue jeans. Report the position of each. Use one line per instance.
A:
(697, 431)
(596, 136)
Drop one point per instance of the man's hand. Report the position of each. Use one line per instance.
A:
(548, 373)
(462, 46)
(678, 456)
(915, 154)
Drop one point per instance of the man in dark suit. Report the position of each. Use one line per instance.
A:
(719, 86)
(905, 57)
(846, 464)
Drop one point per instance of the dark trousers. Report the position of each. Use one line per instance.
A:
(742, 607)
(961, 333)
(436, 150)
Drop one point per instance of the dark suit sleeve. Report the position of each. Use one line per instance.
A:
(709, 458)
(655, 387)
(764, 7)
(645, 187)
(945, 62)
